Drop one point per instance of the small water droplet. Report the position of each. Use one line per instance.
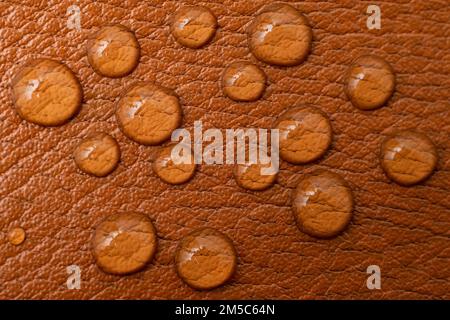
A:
(194, 26)
(408, 157)
(205, 259)
(370, 82)
(113, 51)
(249, 176)
(280, 35)
(170, 172)
(148, 113)
(16, 236)
(124, 243)
(97, 154)
(243, 81)
(322, 204)
(46, 92)
(305, 134)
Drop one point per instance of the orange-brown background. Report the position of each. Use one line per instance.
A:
(404, 230)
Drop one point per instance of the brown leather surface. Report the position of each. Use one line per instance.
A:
(403, 230)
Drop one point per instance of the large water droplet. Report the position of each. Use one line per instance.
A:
(205, 259)
(46, 92)
(113, 51)
(97, 154)
(148, 113)
(194, 26)
(370, 82)
(280, 35)
(305, 134)
(408, 157)
(322, 204)
(124, 243)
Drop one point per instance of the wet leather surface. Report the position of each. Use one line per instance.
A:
(403, 230)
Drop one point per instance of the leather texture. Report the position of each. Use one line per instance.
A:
(404, 230)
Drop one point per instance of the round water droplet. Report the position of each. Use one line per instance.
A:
(370, 82)
(16, 236)
(176, 170)
(124, 243)
(97, 155)
(113, 51)
(322, 204)
(243, 81)
(280, 35)
(408, 157)
(251, 176)
(205, 259)
(194, 26)
(148, 113)
(46, 92)
(305, 134)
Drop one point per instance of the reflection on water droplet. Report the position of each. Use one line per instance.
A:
(205, 259)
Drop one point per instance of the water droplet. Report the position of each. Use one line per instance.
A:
(46, 92)
(124, 243)
(305, 134)
(249, 176)
(408, 157)
(370, 82)
(206, 259)
(194, 26)
(322, 204)
(16, 236)
(280, 35)
(171, 172)
(113, 51)
(243, 81)
(97, 154)
(148, 113)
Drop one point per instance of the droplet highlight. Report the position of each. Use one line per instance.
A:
(16, 236)
(206, 259)
(305, 134)
(46, 92)
(194, 26)
(97, 155)
(124, 243)
(113, 51)
(243, 81)
(280, 35)
(148, 113)
(370, 82)
(322, 204)
(408, 157)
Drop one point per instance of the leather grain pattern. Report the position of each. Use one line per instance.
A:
(406, 231)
